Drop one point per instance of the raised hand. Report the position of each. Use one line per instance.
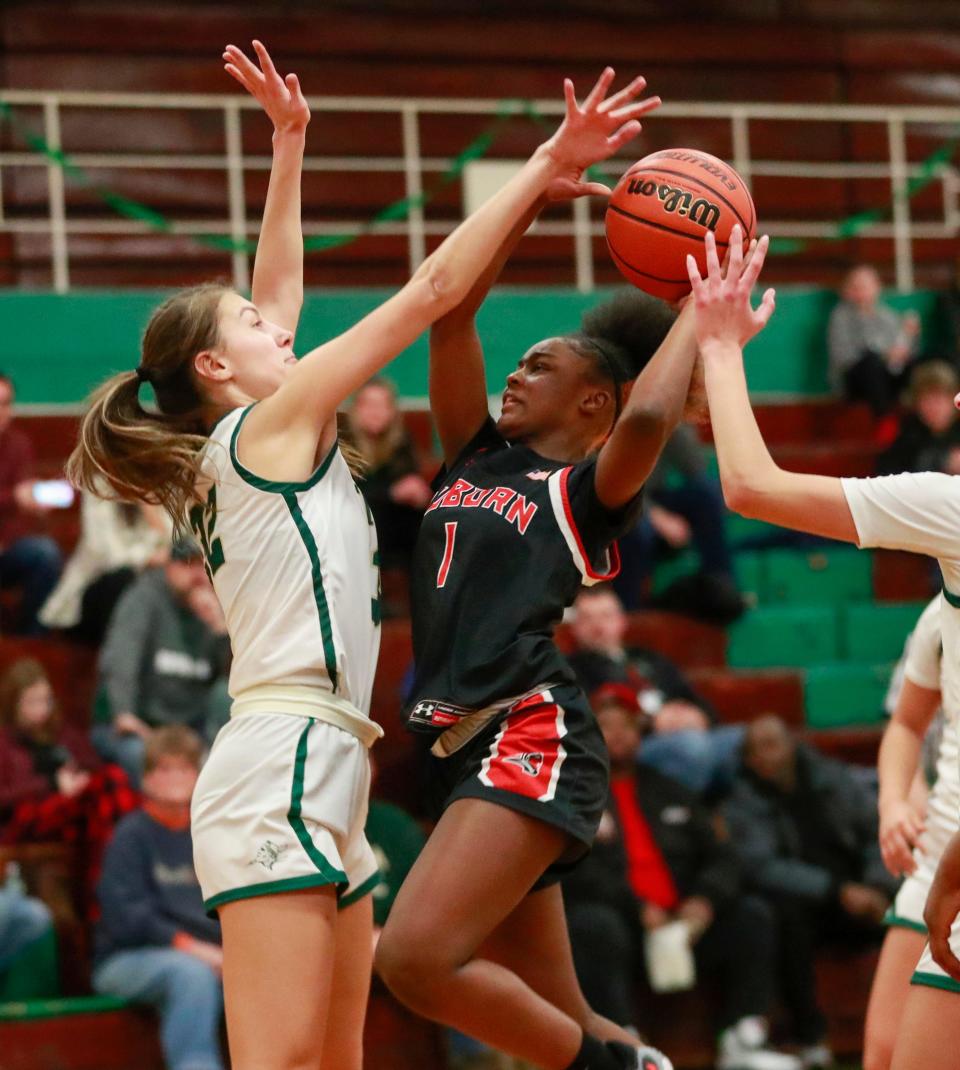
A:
(594, 131)
(281, 98)
(722, 300)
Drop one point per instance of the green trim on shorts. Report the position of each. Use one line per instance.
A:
(894, 921)
(333, 876)
(250, 891)
(271, 485)
(319, 595)
(935, 980)
(358, 893)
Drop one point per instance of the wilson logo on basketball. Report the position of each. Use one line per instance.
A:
(700, 211)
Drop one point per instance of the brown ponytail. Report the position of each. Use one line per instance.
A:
(146, 456)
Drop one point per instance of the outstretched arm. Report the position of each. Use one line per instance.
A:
(753, 484)
(329, 374)
(278, 266)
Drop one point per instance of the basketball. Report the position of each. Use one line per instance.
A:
(662, 209)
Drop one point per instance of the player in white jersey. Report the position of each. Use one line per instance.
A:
(917, 512)
(245, 441)
(914, 827)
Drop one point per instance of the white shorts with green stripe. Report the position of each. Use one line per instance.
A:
(907, 909)
(281, 805)
(929, 973)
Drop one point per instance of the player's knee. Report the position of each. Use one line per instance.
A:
(410, 970)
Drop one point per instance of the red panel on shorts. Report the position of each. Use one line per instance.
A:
(527, 751)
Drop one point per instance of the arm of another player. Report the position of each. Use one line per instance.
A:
(458, 381)
(943, 906)
(900, 824)
(278, 267)
(329, 374)
(650, 416)
(753, 484)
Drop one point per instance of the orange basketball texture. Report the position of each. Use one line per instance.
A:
(662, 209)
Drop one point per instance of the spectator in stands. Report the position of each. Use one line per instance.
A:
(154, 942)
(53, 787)
(166, 646)
(685, 743)
(117, 541)
(24, 921)
(930, 430)
(870, 346)
(395, 491)
(806, 830)
(684, 507)
(657, 859)
(28, 562)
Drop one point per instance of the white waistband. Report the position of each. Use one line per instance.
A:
(307, 702)
(459, 734)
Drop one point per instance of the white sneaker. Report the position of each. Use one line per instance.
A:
(651, 1059)
(744, 1047)
(816, 1055)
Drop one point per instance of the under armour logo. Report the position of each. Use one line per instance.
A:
(529, 763)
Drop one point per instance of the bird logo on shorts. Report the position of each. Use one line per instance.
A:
(267, 854)
(529, 763)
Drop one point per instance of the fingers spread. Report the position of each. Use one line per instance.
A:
(752, 271)
(767, 305)
(599, 91)
(634, 111)
(626, 133)
(713, 262)
(636, 86)
(265, 61)
(693, 271)
(569, 96)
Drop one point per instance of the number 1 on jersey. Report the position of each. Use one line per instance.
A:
(443, 571)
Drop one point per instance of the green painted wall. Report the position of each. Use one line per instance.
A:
(58, 347)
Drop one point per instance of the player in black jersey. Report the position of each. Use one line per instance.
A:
(525, 511)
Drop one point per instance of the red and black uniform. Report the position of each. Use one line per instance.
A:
(505, 544)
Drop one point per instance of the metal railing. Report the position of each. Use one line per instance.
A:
(896, 170)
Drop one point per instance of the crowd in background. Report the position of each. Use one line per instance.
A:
(728, 852)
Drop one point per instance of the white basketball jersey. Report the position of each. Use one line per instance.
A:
(295, 567)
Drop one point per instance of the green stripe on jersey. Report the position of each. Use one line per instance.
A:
(953, 599)
(319, 596)
(268, 484)
(332, 874)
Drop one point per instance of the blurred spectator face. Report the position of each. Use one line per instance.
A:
(374, 409)
(621, 732)
(862, 288)
(769, 751)
(184, 576)
(935, 408)
(680, 716)
(6, 404)
(599, 622)
(35, 707)
(171, 781)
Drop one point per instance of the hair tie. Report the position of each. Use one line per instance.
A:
(142, 374)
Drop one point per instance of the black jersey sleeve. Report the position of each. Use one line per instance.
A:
(592, 525)
(487, 438)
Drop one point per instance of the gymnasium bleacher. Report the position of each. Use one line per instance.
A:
(825, 623)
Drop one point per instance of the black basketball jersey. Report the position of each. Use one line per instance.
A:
(506, 542)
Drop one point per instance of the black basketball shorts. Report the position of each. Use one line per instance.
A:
(544, 757)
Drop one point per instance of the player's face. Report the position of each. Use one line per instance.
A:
(546, 391)
(259, 353)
